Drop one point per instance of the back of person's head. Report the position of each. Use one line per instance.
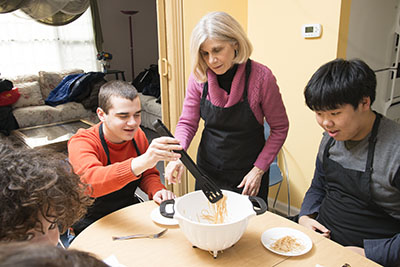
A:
(115, 88)
(218, 26)
(28, 255)
(340, 82)
(37, 185)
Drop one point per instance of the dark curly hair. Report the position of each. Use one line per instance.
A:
(29, 255)
(36, 183)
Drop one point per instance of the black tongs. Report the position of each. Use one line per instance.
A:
(209, 188)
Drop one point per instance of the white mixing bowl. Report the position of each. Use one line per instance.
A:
(208, 236)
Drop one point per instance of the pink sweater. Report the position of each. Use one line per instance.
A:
(264, 98)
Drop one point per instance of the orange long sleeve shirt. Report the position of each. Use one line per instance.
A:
(89, 161)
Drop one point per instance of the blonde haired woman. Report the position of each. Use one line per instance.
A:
(233, 95)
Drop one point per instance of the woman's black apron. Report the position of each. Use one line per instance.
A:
(231, 141)
(348, 210)
(111, 202)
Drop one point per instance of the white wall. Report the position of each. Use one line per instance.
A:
(372, 26)
(115, 27)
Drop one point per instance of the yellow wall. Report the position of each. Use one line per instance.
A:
(274, 27)
(194, 10)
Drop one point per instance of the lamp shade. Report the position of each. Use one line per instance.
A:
(129, 12)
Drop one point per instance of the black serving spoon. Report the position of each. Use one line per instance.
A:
(209, 188)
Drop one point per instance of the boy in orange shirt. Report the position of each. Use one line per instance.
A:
(114, 156)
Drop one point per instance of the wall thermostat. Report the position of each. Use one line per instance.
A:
(311, 30)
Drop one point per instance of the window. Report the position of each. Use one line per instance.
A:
(27, 46)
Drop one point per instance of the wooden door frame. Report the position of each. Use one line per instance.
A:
(172, 69)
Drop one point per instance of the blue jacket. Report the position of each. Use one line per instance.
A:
(60, 94)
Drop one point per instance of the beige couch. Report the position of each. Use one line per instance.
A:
(30, 109)
(151, 110)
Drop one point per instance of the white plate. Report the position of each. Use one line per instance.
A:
(269, 237)
(158, 218)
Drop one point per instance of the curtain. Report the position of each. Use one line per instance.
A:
(27, 46)
(98, 32)
(55, 12)
(51, 12)
(9, 6)
(40, 9)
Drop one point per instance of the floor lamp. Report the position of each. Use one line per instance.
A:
(130, 13)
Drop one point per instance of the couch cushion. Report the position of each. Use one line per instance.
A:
(150, 105)
(151, 110)
(49, 80)
(23, 78)
(35, 115)
(30, 95)
(44, 114)
(72, 110)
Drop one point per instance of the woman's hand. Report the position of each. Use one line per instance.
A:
(174, 171)
(162, 195)
(314, 225)
(251, 182)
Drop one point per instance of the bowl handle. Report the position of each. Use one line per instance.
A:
(164, 212)
(259, 205)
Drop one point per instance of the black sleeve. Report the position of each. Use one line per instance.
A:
(396, 179)
(384, 251)
(316, 193)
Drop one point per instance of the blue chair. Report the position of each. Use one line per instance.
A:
(278, 171)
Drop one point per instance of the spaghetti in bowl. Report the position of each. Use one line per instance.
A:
(286, 241)
(195, 215)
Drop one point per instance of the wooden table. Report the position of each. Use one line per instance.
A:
(54, 135)
(173, 249)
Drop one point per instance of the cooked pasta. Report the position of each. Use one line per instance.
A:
(216, 212)
(287, 244)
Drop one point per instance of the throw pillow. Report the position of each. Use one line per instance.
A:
(49, 80)
(24, 78)
(30, 95)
